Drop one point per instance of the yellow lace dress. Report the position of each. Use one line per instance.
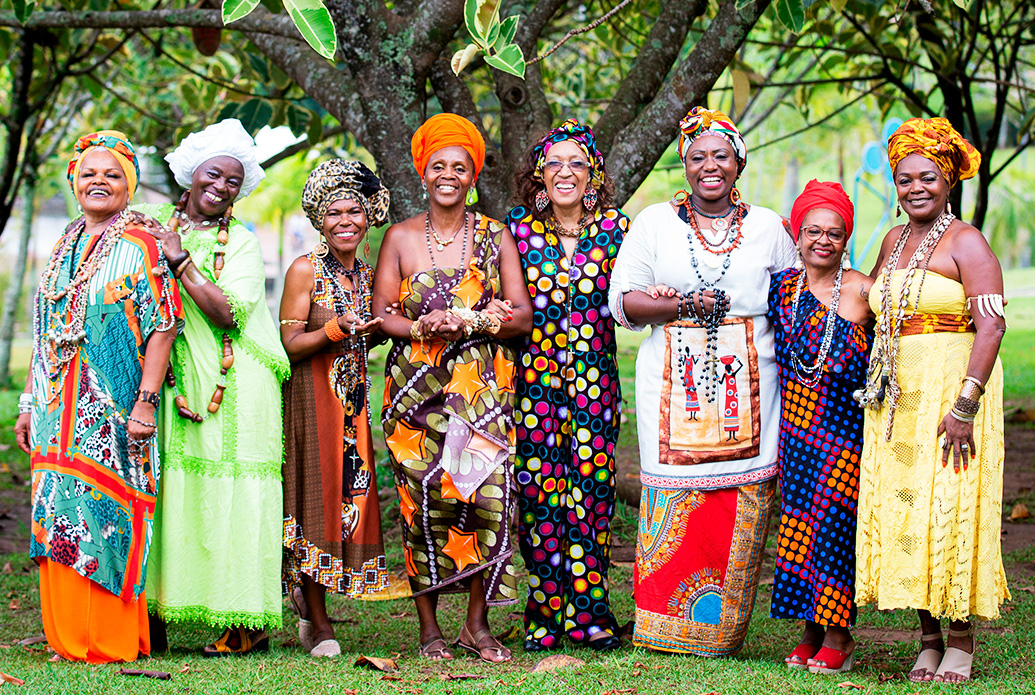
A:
(928, 537)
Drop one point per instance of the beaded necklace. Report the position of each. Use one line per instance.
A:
(569, 295)
(434, 267)
(811, 374)
(710, 322)
(882, 376)
(180, 222)
(731, 232)
(573, 233)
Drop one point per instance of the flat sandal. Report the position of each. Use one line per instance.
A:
(928, 659)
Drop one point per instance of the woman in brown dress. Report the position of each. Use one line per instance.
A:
(332, 523)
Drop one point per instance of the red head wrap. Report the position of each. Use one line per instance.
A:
(445, 130)
(826, 195)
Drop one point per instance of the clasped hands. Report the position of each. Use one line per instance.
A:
(445, 325)
(353, 326)
(700, 303)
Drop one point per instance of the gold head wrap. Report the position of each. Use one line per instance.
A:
(937, 140)
(338, 179)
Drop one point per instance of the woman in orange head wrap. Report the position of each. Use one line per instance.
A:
(933, 393)
(449, 394)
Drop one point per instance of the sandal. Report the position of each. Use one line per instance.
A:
(328, 647)
(248, 641)
(955, 661)
(305, 634)
(436, 650)
(800, 656)
(928, 660)
(491, 654)
(833, 660)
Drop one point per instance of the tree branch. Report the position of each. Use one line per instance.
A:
(580, 30)
(256, 22)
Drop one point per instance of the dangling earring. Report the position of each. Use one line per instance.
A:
(424, 187)
(589, 198)
(542, 200)
(321, 249)
(734, 196)
(80, 206)
(472, 195)
(799, 262)
(678, 201)
(948, 207)
(898, 211)
(366, 249)
(846, 262)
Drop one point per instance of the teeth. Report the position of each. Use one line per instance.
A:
(447, 189)
(565, 187)
(711, 179)
(214, 198)
(345, 235)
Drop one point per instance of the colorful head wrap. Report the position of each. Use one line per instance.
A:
(228, 138)
(937, 140)
(582, 136)
(701, 121)
(445, 130)
(115, 142)
(339, 179)
(826, 195)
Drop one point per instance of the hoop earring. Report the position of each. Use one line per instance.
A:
(677, 201)
(734, 196)
(542, 200)
(424, 187)
(321, 249)
(472, 195)
(589, 198)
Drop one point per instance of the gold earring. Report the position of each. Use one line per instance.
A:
(321, 250)
(366, 249)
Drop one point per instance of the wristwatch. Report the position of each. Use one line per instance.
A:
(149, 397)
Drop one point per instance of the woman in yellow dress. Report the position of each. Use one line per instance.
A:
(928, 536)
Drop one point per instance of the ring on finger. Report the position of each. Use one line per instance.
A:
(943, 442)
(964, 447)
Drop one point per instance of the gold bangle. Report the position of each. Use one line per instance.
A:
(292, 322)
(976, 382)
(333, 331)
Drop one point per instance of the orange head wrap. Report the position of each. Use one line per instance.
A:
(115, 142)
(446, 130)
(826, 195)
(937, 140)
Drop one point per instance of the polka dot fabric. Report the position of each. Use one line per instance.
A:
(820, 445)
(569, 405)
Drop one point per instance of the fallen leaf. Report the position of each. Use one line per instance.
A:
(1029, 589)
(636, 673)
(186, 668)
(388, 677)
(557, 661)
(460, 676)
(7, 568)
(5, 678)
(29, 641)
(160, 675)
(619, 692)
(375, 662)
(1019, 511)
(14, 604)
(885, 677)
(397, 616)
(348, 691)
(849, 684)
(513, 633)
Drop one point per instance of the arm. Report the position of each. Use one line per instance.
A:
(209, 298)
(387, 283)
(23, 423)
(156, 360)
(514, 291)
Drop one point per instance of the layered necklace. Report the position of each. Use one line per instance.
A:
(463, 254)
(731, 238)
(65, 337)
(811, 374)
(443, 243)
(573, 233)
(181, 223)
(882, 376)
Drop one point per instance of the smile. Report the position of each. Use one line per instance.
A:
(214, 198)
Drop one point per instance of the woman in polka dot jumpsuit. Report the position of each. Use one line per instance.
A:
(569, 399)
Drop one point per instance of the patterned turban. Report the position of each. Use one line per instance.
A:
(339, 179)
(825, 195)
(445, 130)
(582, 136)
(115, 142)
(937, 140)
(701, 121)
(228, 138)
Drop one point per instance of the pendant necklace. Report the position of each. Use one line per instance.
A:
(811, 374)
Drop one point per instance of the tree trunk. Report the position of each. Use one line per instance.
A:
(13, 296)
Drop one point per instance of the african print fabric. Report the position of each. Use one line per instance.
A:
(217, 549)
(929, 537)
(569, 407)
(695, 590)
(449, 429)
(93, 497)
(332, 521)
(820, 445)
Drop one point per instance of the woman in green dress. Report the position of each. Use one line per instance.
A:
(216, 555)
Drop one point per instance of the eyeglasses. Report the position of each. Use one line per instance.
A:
(575, 166)
(834, 236)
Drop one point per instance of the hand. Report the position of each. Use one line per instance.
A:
(362, 328)
(170, 240)
(394, 309)
(703, 302)
(21, 432)
(451, 329)
(145, 412)
(660, 290)
(958, 440)
(501, 309)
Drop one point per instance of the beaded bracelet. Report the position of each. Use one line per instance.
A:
(333, 331)
(962, 417)
(141, 422)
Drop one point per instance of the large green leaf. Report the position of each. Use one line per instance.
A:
(508, 28)
(235, 9)
(510, 60)
(791, 14)
(254, 114)
(23, 8)
(315, 24)
(462, 57)
(479, 16)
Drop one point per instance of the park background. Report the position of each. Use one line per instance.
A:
(814, 86)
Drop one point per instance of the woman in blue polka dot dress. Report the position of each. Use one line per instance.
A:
(821, 322)
(568, 399)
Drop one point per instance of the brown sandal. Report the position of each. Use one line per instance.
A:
(436, 650)
(248, 641)
(470, 643)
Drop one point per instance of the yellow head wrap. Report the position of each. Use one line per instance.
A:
(115, 142)
(937, 140)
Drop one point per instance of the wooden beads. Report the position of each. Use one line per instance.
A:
(228, 355)
(182, 408)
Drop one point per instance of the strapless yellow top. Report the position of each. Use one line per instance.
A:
(940, 295)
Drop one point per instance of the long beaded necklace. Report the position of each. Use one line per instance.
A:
(734, 237)
(434, 268)
(573, 233)
(882, 376)
(811, 374)
(710, 321)
(180, 222)
(570, 293)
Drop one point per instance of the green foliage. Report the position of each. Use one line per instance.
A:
(235, 9)
(492, 37)
(311, 17)
(23, 8)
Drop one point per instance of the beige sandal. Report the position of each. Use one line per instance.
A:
(492, 654)
(436, 650)
(956, 661)
(928, 660)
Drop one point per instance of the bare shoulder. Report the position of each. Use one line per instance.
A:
(856, 279)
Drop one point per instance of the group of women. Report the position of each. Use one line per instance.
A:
(196, 501)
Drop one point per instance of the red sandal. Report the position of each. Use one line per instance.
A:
(800, 656)
(833, 660)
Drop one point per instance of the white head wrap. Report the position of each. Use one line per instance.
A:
(227, 138)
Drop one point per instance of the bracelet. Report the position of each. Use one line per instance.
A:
(141, 422)
(962, 417)
(970, 391)
(333, 331)
(179, 270)
(149, 397)
(415, 334)
(25, 403)
(183, 255)
(292, 322)
(975, 381)
(966, 406)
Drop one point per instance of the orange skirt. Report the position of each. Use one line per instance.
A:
(84, 622)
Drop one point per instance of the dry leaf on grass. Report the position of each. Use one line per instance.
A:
(14, 604)
(29, 641)
(1019, 511)
(460, 676)
(376, 662)
(619, 692)
(7, 678)
(885, 677)
(186, 668)
(160, 675)
(849, 684)
(557, 661)
(389, 677)
(513, 633)
(7, 568)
